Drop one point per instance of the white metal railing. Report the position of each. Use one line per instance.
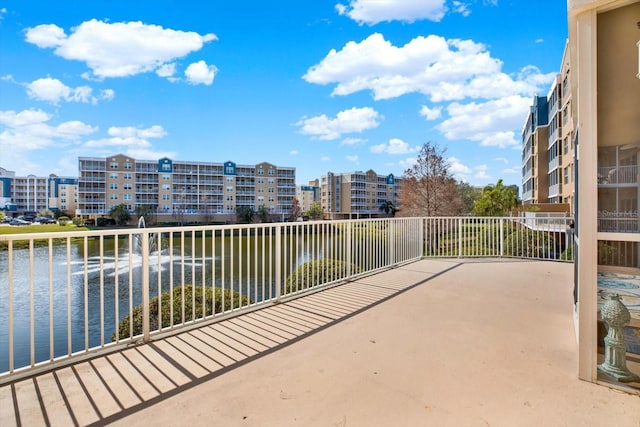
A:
(615, 175)
(68, 296)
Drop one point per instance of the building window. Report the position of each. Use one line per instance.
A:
(127, 165)
(127, 175)
(113, 186)
(272, 172)
(113, 165)
(113, 176)
(165, 197)
(166, 187)
(166, 177)
(113, 197)
(126, 197)
(229, 179)
(126, 186)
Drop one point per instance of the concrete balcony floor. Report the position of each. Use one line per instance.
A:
(437, 342)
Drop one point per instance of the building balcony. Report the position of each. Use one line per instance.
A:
(618, 175)
(434, 326)
(329, 356)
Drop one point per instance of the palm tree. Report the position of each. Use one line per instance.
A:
(388, 208)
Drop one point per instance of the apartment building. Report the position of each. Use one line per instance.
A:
(183, 190)
(604, 45)
(20, 194)
(535, 188)
(567, 136)
(307, 195)
(548, 144)
(357, 194)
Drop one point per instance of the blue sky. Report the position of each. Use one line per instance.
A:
(341, 86)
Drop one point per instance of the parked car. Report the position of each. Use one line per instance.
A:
(18, 221)
(45, 220)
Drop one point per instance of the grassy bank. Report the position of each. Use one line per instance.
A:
(42, 228)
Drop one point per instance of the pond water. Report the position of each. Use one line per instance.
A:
(105, 275)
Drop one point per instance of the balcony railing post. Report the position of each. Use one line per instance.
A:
(392, 242)
(460, 237)
(144, 249)
(501, 243)
(278, 262)
(348, 248)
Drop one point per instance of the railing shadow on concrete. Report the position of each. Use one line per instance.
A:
(108, 388)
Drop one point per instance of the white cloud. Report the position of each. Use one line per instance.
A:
(481, 172)
(354, 120)
(408, 162)
(371, 12)
(487, 122)
(511, 171)
(54, 91)
(166, 70)
(457, 168)
(353, 159)
(395, 146)
(30, 130)
(461, 8)
(502, 159)
(540, 40)
(353, 141)
(128, 136)
(200, 73)
(118, 49)
(442, 69)
(294, 152)
(325, 158)
(431, 113)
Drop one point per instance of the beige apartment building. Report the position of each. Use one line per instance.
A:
(548, 144)
(535, 188)
(183, 191)
(566, 192)
(357, 194)
(20, 194)
(307, 195)
(604, 45)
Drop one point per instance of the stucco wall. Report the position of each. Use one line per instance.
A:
(618, 86)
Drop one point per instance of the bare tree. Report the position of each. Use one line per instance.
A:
(428, 188)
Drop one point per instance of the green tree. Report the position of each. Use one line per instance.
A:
(388, 208)
(245, 214)
(428, 187)
(263, 213)
(495, 200)
(315, 211)
(467, 194)
(120, 214)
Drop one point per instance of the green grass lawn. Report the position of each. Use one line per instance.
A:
(43, 228)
